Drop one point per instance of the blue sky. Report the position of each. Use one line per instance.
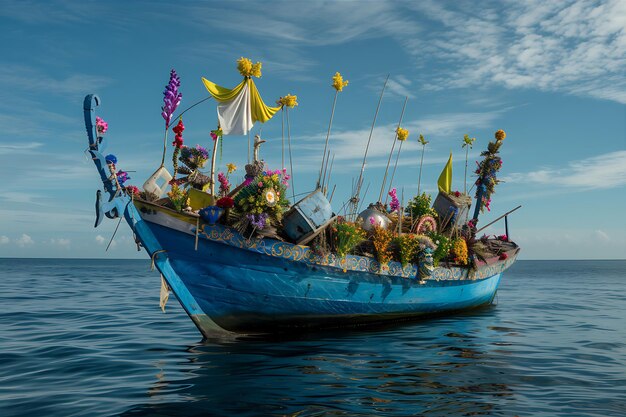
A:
(551, 74)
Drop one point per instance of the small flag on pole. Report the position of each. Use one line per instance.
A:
(445, 178)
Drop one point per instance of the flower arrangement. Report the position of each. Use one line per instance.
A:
(101, 126)
(403, 134)
(193, 159)
(248, 69)
(347, 235)
(132, 191)
(288, 101)
(266, 194)
(122, 177)
(487, 170)
(178, 197)
(394, 205)
(225, 202)
(224, 183)
(171, 98)
(381, 238)
(338, 82)
(419, 206)
(459, 251)
(444, 244)
(408, 247)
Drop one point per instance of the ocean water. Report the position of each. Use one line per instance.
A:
(87, 338)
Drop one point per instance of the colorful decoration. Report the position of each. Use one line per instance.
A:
(420, 206)
(422, 141)
(248, 69)
(122, 177)
(338, 82)
(178, 144)
(403, 134)
(111, 159)
(178, 197)
(171, 98)
(347, 235)
(444, 183)
(288, 101)
(230, 168)
(381, 238)
(444, 244)
(408, 247)
(211, 214)
(394, 205)
(487, 170)
(425, 224)
(101, 126)
(193, 159)
(265, 194)
(225, 202)
(468, 142)
(217, 133)
(459, 251)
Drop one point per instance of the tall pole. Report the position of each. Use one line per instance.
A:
(382, 186)
(330, 123)
(355, 198)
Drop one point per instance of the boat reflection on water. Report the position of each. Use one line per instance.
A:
(439, 366)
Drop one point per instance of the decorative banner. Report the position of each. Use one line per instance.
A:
(445, 179)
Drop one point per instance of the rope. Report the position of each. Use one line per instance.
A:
(154, 254)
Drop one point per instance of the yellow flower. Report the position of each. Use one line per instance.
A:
(500, 135)
(231, 168)
(338, 82)
(422, 140)
(403, 134)
(289, 100)
(247, 69)
(467, 141)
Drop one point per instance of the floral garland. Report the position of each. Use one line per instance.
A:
(487, 170)
(193, 159)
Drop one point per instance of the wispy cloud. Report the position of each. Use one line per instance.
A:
(575, 47)
(602, 171)
(4, 240)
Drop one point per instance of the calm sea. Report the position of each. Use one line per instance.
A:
(87, 338)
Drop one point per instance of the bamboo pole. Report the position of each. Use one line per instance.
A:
(293, 184)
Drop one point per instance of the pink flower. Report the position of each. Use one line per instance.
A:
(260, 184)
(395, 203)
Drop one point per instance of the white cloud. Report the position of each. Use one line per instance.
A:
(602, 171)
(62, 242)
(602, 236)
(4, 240)
(575, 47)
(100, 240)
(24, 241)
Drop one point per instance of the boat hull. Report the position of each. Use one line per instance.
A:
(264, 285)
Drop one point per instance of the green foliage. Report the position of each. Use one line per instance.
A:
(347, 236)
(444, 245)
(419, 206)
(408, 247)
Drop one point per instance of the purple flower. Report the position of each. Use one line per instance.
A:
(394, 205)
(203, 151)
(171, 98)
(122, 177)
(258, 220)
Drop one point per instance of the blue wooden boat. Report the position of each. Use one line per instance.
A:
(227, 282)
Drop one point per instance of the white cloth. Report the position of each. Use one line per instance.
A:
(235, 116)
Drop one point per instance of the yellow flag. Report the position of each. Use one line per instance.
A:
(445, 179)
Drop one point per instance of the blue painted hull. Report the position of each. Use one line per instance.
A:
(245, 289)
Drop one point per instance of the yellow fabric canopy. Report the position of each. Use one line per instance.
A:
(259, 110)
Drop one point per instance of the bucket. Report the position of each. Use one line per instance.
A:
(152, 186)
